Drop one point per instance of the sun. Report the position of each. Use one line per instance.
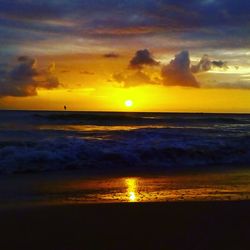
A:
(128, 103)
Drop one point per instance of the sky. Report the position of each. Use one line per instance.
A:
(163, 55)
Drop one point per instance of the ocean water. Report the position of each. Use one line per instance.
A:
(108, 142)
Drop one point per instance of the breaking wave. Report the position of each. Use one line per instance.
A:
(135, 150)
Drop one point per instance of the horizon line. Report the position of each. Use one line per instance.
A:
(124, 111)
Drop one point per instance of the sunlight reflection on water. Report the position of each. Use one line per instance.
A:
(93, 128)
(155, 189)
(77, 189)
(132, 189)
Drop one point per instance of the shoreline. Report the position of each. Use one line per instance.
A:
(79, 188)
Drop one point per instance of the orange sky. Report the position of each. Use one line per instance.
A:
(87, 83)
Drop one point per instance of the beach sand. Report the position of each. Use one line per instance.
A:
(70, 211)
(170, 225)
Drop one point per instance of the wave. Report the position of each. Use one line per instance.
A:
(133, 151)
(108, 141)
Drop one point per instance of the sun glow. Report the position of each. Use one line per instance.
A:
(128, 103)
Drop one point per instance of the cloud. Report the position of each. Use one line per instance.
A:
(178, 72)
(203, 65)
(228, 85)
(24, 78)
(142, 58)
(133, 80)
(206, 64)
(24, 23)
(111, 55)
(220, 64)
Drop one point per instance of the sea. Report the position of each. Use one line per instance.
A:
(121, 142)
(51, 157)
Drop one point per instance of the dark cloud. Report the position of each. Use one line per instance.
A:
(24, 78)
(194, 21)
(142, 58)
(139, 77)
(31, 10)
(220, 64)
(23, 58)
(178, 72)
(111, 55)
(206, 64)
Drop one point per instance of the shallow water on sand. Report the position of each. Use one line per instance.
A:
(72, 188)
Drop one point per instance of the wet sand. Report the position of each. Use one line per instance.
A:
(70, 211)
(170, 225)
(76, 188)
